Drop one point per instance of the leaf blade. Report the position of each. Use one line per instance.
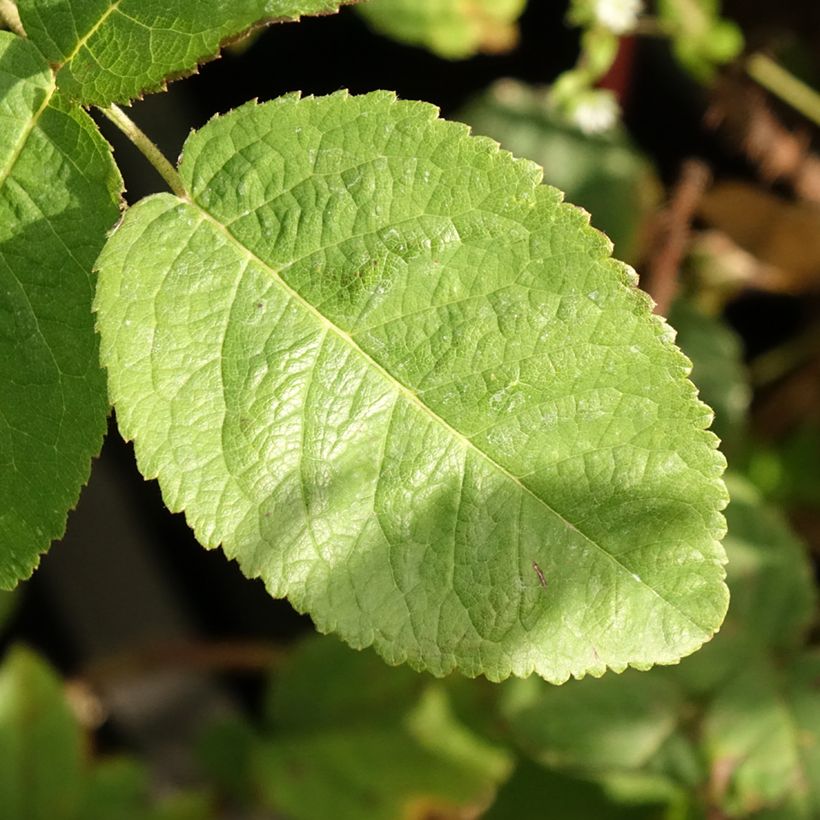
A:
(115, 50)
(59, 194)
(325, 219)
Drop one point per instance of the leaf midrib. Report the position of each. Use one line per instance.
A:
(414, 400)
(52, 90)
(27, 132)
(90, 33)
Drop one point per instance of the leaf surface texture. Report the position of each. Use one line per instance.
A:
(59, 194)
(392, 374)
(114, 50)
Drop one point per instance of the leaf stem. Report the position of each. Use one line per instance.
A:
(11, 17)
(148, 149)
(783, 84)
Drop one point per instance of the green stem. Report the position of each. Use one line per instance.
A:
(150, 151)
(783, 84)
(11, 17)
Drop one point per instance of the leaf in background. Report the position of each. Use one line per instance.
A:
(121, 789)
(45, 772)
(383, 749)
(718, 370)
(602, 173)
(701, 39)
(327, 685)
(616, 724)
(535, 793)
(451, 28)
(773, 595)
(114, 50)
(390, 372)
(762, 736)
(786, 471)
(59, 194)
(41, 745)
(225, 752)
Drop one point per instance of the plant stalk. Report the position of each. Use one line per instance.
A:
(147, 148)
(784, 85)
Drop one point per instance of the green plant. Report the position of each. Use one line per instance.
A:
(396, 377)
(367, 353)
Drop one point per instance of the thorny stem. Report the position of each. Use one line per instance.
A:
(11, 17)
(150, 151)
(783, 84)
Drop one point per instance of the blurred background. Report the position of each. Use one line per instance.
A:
(691, 136)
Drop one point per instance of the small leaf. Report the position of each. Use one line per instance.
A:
(114, 50)
(702, 41)
(393, 375)
(41, 745)
(450, 28)
(59, 194)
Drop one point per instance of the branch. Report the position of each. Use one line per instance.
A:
(148, 149)
(674, 225)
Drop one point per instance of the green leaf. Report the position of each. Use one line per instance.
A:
(450, 28)
(8, 606)
(114, 50)
(786, 470)
(40, 743)
(374, 773)
(393, 375)
(701, 40)
(617, 724)
(534, 793)
(762, 737)
(225, 752)
(362, 690)
(59, 194)
(717, 367)
(772, 587)
(116, 790)
(603, 173)
(387, 747)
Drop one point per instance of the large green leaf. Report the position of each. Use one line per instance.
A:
(450, 28)
(114, 50)
(59, 194)
(399, 380)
